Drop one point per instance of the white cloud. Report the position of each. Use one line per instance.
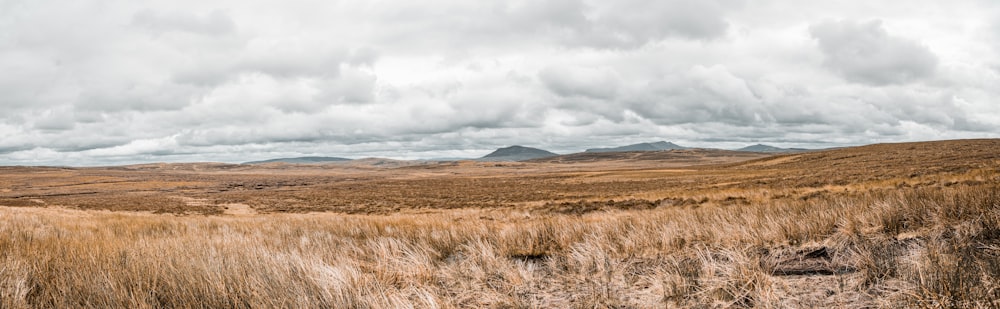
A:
(568, 81)
(214, 23)
(108, 81)
(864, 52)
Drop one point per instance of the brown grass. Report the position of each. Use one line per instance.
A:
(944, 255)
(724, 240)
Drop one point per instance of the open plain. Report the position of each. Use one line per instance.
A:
(887, 225)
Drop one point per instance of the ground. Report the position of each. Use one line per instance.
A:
(912, 224)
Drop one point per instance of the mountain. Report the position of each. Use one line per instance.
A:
(301, 160)
(769, 149)
(674, 157)
(661, 145)
(517, 153)
(447, 159)
(384, 163)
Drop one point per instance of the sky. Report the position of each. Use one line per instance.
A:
(101, 82)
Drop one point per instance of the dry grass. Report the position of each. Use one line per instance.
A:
(539, 187)
(918, 247)
(759, 234)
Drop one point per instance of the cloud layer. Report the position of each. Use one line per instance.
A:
(112, 81)
(863, 52)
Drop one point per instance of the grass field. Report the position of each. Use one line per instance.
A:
(893, 225)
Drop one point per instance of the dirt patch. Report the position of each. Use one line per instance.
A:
(804, 262)
(238, 209)
(808, 291)
(583, 207)
(232, 209)
(199, 203)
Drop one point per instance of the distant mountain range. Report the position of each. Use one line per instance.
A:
(770, 149)
(517, 153)
(657, 146)
(661, 145)
(301, 160)
(521, 153)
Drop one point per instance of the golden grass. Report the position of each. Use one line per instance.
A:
(915, 247)
(904, 225)
(538, 187)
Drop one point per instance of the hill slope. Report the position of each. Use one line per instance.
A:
(769, 149)
(517, 153)
(661, 145)
(301, 160)
(910, 162)
(676, 157)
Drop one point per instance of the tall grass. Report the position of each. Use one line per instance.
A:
(927, 247)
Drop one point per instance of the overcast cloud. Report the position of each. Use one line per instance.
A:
(112, 81)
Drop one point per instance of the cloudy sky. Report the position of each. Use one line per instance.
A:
(118, 81)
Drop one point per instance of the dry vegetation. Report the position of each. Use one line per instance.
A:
(901, 225)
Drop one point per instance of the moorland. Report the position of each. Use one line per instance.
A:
(885, 225)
